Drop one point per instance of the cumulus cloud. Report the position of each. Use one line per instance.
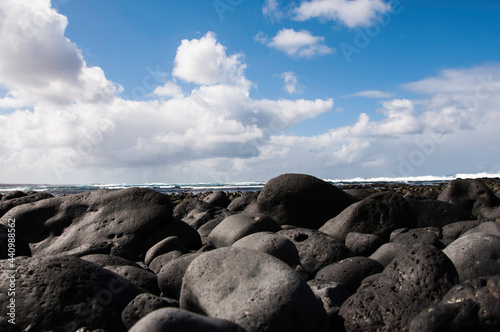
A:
(351, 13)
(272, 10)
(300, 44)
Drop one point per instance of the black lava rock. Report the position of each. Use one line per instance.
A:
(302, 200)
(142, 305)
(362, 244)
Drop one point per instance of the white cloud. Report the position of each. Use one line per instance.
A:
(169, 89)
(291, 82)
(204, 61)
(351, 13)
(272, 10)
(370, 94)
(300, 44)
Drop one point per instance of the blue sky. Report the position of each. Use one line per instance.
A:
(239, 90)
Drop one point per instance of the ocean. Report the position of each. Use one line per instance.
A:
(172, 188)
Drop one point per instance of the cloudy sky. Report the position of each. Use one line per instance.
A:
(127, 91)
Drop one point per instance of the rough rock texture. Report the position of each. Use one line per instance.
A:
(362, 244)
(63, 293)
(178, 320)
(176, 227)
(332, 295)
(138, 276)
(302, 200)
(487, 227)
(475, 255)
(377, 214)
(21, 246)
(253, 289)
(142, 305)
(8, 203)
(237, 226)
(188, 205)
(454, 230)
(349, 272)
(116, 222)
(160, 261)
(472, 195)
(106, 260)
(171, 274)
(409, 284)
(471, 306)
(416, 236)
(433, 213)
(272, 244)
(316, 249)
(387, 252)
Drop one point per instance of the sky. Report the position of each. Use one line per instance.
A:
(160, 91)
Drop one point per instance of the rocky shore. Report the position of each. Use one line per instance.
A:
(300, 255)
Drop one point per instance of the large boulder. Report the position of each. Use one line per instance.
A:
(471, 306)
(171, 275)
(255, 290)
(412, 282)
(434, 213)
(142, 305)
(9, 202)
(475, 255)
(64, 293)
(117, 222)
(302, 200)
(472, 195)
(377, 214)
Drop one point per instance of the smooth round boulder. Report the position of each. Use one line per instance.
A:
(253, 289)
(471, 306)
(316, 249)
(138, 276)
(218, 198)
(416, 236)
(108, 260)
(454, 230)
(178, 320)
(7, 204)
(434, 213)
(475, 255)
(142, 305)
(388, 251)
(272, 244)
(64, 293)
(237, 226)
(166, 245)
(302, 200)
(160, 261)
(412, 282)
(377, 214)
(487, 227)
(171, 274)
(349, 272)
(362, 244)
(241, 203)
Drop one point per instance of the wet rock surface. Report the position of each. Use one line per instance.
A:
(302, 255)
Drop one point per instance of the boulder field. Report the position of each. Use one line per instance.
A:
(300, 255)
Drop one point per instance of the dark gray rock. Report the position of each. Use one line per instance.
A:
(206, 229)
(316, 249)
(349, 272)
(138, 276)
(358, 193)
(332, 295)
(18, 245)
(218, 198)
(471, 306)
(454, 230)
(9, 203)
(157, 263)
(302, 200)
(378, 214)
(487, 227)
(412, 282)
(171, 243)
(387, 252)
(178, 320)
(188, 205)
(243, 202)
(237, 226)
(416, 236)
(362, 244)
(434, 213)
(475, 255)
(107, 260)
(255, 290)
(177, 227)
(142, 305)
(63, 293)
(472, 195)
(116, 222)
(13, 194)
(171, 274)
(272, 244)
